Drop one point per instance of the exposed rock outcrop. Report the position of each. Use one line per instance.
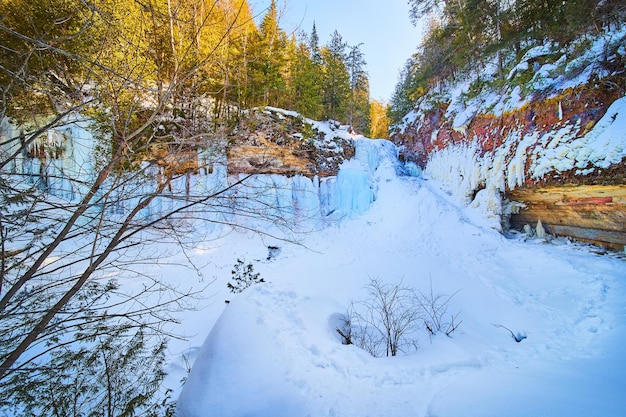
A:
(274, 141)
(557, 120)
(572, 113)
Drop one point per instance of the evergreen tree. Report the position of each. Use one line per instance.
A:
(360, 105)
(359, 86)
(403, 94)
(268, 63)
(27, 69)
(314, 45)
(420, 8)
(336, 80)
(305, 83)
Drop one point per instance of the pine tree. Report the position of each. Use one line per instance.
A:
(268, 63)
(403, 94)
(421, 8)
(360, 105)
(27, 69)
(336, 80)
(359, 86)
(306, 88)
(314, 45)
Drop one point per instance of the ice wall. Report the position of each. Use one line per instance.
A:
(355, 186)
(65, 158)
(480, 179)
(353, 190)
(319, 200)
(273, 197)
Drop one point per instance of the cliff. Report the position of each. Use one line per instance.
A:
(558, 119)
(275, 141)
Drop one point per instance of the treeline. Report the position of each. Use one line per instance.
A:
(465, 34)
(192, 57)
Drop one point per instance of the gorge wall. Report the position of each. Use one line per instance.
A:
(548, 145)
(272, 165)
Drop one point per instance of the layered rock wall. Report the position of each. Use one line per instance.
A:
(557, 120)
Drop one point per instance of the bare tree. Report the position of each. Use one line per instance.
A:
(434, 307)
(389, 320)
(136, 184)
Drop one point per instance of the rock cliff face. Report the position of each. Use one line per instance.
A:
(275, 141)
(558, 120)
(572, 114)
(274, 162)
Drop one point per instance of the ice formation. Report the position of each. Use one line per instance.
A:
(350, 193)
(464, 168)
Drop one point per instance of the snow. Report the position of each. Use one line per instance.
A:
(605, 144)
(578, 63)
(273, 350)
(537, 51)
(602, 146)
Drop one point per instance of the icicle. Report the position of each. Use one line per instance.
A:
(540, 231)
(528, 230)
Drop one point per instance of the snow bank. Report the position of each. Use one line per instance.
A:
(247, 338)
(605, 144)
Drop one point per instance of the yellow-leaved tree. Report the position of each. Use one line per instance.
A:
(379, 119)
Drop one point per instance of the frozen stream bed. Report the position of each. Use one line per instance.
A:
(274, 351)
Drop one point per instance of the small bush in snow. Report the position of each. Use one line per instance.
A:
(343, 326)
(243, 277)
(434, 308)
(390, 320)
(386, 322)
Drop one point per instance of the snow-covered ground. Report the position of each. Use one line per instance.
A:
(274, 351)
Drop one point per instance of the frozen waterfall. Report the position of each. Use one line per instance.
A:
(67, 175)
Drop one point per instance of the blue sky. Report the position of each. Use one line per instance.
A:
(383, 26)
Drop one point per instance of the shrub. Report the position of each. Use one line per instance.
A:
(391, 318)
(243, 277)
(385, 323)
(434, 308)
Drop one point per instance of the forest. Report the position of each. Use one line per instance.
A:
(466, 36)
(200, 57)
